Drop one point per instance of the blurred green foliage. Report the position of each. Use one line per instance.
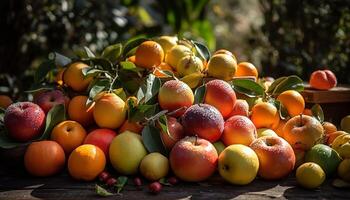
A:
(296, 36)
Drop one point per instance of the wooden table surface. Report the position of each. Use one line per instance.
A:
(16, 184)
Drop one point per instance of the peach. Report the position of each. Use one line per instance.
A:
(175, 94)
(203, 120)
(239, 130)
(220, 95)
(323, 80)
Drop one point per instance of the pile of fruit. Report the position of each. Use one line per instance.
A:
(167, 110)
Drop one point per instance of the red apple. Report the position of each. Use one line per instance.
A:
(276, 157)
(24, 121)
(193, 159)
(49, 99)
(241, 107)
(176, 132)
(101, 138)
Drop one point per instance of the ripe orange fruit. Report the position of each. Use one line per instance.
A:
(109, 111)
(74, 78)
(86, 162)
(265, 115)
(246, 69)
(5, 101)
(149, 54)
(44, 158)
(131, 59)
(307, 112)
(222, 66)
(329, 128)
(279, 128)
(292, 101)
(69, 134)
(134, 127)
(80, 112)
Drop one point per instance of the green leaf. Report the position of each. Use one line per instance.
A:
(89, 53)
(129, 66)
(40, 87)
(317, 112)
(199, 94)
(152, 141)
(121, 182)
(6, 142)
(112, 52)
(163, 124)
(101, 62)
(131, 44)
(164, 181)
(90, 71)
(202, 50)
(149, 89)
(248, 87)
(282, 110)
(56, 115)
(288, 83)
(274, 84)
(140, 112)
(60, 60)
(101, 191)
(99, 86)
(42, 71)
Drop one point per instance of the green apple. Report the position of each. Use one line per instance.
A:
(126, 152)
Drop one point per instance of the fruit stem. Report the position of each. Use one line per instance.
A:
(196, 140)
(301, 120)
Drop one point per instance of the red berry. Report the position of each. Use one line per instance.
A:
(104, 176)
(137, 181)
(111, 181)
(173, 180)
(155, 187)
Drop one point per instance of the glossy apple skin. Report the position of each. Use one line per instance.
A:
(24, 121)
(49, 99)
(176, 132)
(101, 138)
(193, 159)
(276, 157)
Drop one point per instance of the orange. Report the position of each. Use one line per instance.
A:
(292, 101)
(80, 112)
(331, 137)
(265, 115)
(163, 66)
(44, 158)
(86, 162)
(74, 78)
(134, 127)
(246, 69)
(5, 101)
(131, 59)
(329, 128)
(109, 111)
(149, 54)
(69, 134)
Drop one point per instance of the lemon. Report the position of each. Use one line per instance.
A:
(154, 166)
(188, 65)
(167, 42)
(176, 53)
(222, 66)
(310, 175)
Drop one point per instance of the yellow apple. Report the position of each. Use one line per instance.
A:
(154, 166)
(265, 132)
